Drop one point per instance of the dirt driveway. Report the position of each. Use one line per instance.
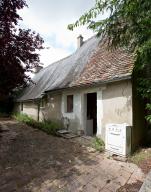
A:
(31, 160)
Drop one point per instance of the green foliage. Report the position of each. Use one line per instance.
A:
(128, 24)
(50, 127)
(18, 48)
(145, 87)
(145, 90)
(22, 117)
(148, 117)
(47, 126)
(98, 144)
(148, 106)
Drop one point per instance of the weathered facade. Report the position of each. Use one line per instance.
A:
(92, 87)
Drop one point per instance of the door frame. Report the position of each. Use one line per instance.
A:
(99, 117)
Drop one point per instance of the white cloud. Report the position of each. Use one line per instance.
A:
(52, 54)
(50, 18)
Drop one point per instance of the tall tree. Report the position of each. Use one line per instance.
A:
(128, 24)
(17, 48)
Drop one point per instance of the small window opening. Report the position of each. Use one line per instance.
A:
(69, 103)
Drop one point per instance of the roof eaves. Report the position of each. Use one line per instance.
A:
(116, 79)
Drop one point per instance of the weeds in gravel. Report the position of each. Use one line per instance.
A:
(47, 126)
(98, 144)
(140, 155)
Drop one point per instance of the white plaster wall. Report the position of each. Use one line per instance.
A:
(114, 105)
(117, 104)
(50, 111)
(31, 109)
(78, 116)
(75, 117)
(99, 112)
(52, 108)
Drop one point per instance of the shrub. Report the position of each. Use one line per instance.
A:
(47, 126)
(50, 127)
(98, 144)
(22, 117)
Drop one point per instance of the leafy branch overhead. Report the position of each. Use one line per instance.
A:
(17, 48)
(128, 24)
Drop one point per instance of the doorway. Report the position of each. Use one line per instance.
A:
(91, 127)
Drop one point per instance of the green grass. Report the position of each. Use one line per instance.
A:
(140, 155)
(98, 144)
(50, 127)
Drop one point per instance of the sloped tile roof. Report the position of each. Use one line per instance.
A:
(90, 64)
(106, 65)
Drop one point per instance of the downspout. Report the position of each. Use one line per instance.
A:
(38, 109)
(38, 106)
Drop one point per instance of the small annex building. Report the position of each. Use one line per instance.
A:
(92, 87)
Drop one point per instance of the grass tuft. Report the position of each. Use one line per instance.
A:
(140, 155)
(47, 126)
(98, 144)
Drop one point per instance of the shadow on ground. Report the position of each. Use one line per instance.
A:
(30, 158)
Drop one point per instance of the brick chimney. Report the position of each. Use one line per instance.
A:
(79, 41)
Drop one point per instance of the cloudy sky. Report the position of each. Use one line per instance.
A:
(50, 18)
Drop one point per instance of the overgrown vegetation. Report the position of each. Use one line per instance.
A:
(98, 144)
(142, 158)
(140, 155)
(50, 127)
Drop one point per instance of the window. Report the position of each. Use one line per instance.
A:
(69, 103)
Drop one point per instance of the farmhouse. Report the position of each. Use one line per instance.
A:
(92, 88)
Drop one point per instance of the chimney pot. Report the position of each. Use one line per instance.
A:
(79, 41)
